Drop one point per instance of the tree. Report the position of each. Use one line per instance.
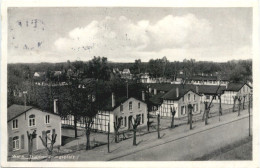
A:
(136, 69)
(45, 138)
(136, 123)
(117, 125)
(98, 68)
(158, 126)
(173, 111)
(30, 137)
(239, 105)
(190, 107)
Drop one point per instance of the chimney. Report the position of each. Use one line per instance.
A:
(143, 96)
(113, 100)
(155, 92)
(55, 107)
(197, 89)
(177, 92)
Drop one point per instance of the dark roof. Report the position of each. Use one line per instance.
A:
(171, 95)
(156, 99)
(210, 89)
(236, 86)
(16, 110)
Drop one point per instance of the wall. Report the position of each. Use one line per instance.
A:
(227, 96)
(165, 108)
(23, 126)
(126, 113)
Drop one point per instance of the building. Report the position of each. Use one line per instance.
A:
(114, 108)
(126, 74)
(236, 89)
(210, 92)
(21, 119)
(179, 98)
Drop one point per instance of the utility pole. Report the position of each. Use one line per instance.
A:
(108, 137)
(249, 113)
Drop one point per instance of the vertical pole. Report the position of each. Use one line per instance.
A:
(158, 125)
(127, 89)
(108, 137)
(190, 112)
(249, 113)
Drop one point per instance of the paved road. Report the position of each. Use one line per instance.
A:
(193, 146)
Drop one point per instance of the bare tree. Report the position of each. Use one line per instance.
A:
(190, 108)
(117, 125)
(158, 126)
(234, 105)
(48, 140)
(88, 126)
(135, 125)
(239, 105)
(30, 137)
(220, 108)
(173, 111)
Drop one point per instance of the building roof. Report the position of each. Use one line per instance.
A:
(126, 71)
(156, 99)
(40, 73)
(171, 95)
(16, 110)
(236, 86)
(57, 73)
(210, 89)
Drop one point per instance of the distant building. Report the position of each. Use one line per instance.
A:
(236, 89)
(126, 74)
(27, 118)
(39, 74)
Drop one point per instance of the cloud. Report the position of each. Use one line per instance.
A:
(121, 35)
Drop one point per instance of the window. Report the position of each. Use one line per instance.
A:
(142, 118)
(182, 110)
(16, 145)
(194, 97)
(183, 98)
(125, 121)
(32, 120)
(207, 97)
(121, 107)
(130, 106)
(189, 97)
(197, 108)
(48, 134)
(47, 119)
(15, 124)
(139, 105)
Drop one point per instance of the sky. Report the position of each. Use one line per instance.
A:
(125, 34)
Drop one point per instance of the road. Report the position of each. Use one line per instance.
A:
(192, 146)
